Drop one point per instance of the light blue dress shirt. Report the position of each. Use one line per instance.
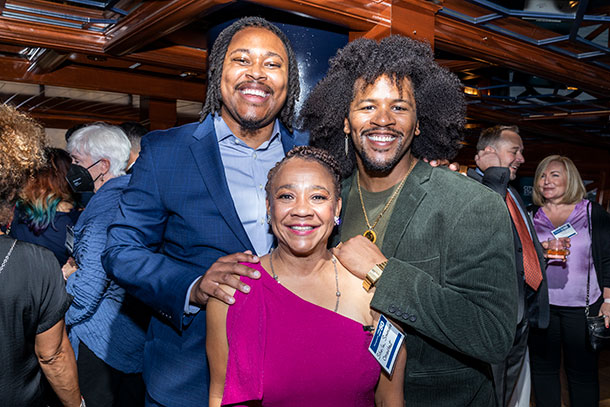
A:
(246, 171)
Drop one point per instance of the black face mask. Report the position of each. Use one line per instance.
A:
(79, 179)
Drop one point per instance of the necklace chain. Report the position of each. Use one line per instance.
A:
(369, 233)
(334, 260)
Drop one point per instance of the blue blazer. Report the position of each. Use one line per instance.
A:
(176, 218)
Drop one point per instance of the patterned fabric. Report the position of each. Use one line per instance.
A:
(531, 266)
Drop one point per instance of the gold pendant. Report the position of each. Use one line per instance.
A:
(371, 235)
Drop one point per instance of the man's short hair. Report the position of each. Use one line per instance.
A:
(213, 99)
(492, 135)
(438, 96)
(134, 132)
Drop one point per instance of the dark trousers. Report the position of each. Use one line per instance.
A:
(567, 332)
(506, 373)
(103, 386)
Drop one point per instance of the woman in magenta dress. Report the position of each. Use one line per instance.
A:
(301, 336)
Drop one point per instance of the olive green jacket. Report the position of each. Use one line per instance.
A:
(449, 245)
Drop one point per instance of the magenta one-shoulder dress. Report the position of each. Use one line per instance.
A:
(287, 352)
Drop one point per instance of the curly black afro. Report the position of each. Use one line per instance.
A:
(213, 99)
(438, 95)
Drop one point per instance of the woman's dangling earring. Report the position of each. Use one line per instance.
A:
(346, 144)
(337, 220)
(268, 218)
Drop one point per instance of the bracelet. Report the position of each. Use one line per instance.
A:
(607, 300)
(373, 275)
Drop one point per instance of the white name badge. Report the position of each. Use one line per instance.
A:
(386, 344)
(70, 239)
(565, 230)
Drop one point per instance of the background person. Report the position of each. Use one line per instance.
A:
(46, 206)
(33, 297)
(197, 197)
(134, 132)
(499, 156)
(297, 338)
(559, 196)
(107, 327)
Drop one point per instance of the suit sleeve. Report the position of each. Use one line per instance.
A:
(134, 252)
(89, 282)
(497, 178)
(472, 311)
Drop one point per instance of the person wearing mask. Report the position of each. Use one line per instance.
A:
(584, 278)
(107, 327)
(46, 207)
(33, 298)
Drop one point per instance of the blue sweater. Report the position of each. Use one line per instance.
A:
(111, 323)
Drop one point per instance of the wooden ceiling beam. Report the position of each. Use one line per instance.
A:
(29, 34)
(104, 80)
(153, 20)
(476, 42)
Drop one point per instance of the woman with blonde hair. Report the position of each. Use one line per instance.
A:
(584, 278)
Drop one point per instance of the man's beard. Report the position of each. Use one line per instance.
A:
(384, 167)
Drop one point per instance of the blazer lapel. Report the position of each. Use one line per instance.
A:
(207, 157)
(287, 139)
(407, 203)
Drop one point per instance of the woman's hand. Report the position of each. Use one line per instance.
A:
(69, 268)
(604, 311)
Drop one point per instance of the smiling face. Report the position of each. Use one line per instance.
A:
(382, 122)
(254, 79)
(303, 203)
(510, 151)
(553, 182)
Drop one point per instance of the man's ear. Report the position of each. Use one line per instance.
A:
(347, 129)
(490, 149)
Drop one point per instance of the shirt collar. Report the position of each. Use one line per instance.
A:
(223, 132)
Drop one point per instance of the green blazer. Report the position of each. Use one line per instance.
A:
(450, 283)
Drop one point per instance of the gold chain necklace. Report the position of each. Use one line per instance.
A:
(370, 233)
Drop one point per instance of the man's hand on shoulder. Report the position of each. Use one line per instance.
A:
(487, 158)
(226, 270)
(454, 166)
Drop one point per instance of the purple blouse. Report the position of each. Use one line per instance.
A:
(568, 280)
(287, 352)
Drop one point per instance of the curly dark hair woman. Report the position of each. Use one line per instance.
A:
(438, 95)
(213, 99)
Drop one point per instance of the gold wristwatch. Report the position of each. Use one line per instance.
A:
(373, 275)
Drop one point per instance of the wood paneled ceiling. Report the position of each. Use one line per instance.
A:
(546, 70)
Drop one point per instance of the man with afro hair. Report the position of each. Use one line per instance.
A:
(195, 206)
(436, 246)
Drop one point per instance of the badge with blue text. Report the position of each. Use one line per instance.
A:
(565, 230)
(386, 344)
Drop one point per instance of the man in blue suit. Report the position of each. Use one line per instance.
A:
(195, 206)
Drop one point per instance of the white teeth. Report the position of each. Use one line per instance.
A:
(381, 139)
(301, 228)
(254, 92)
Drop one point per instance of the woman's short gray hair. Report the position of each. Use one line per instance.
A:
(100, 140)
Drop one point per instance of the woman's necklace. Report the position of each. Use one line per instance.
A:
(334, 260)
(370, 233)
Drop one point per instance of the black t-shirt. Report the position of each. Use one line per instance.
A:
(33, 299)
